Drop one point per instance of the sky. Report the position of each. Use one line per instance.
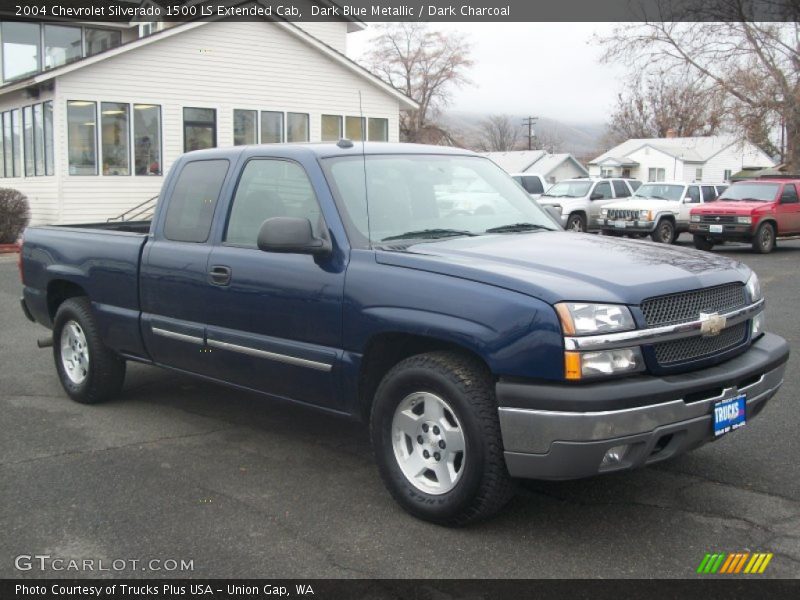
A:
(547, 70)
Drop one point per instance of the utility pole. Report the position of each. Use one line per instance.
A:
(530, 122)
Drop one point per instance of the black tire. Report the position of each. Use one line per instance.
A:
(484, 486)
(576, 222)
(664, 232)
(702, 243)
(106, 370)
(764, 240)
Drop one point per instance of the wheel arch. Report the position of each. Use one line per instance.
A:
(60, 290)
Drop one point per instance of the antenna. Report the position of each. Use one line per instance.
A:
(364, 162)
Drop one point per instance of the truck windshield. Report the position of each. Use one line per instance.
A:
(569, 189)
(417, 196)
(659, 191)
(749, 191)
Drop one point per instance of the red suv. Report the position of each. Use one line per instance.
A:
(756, 211)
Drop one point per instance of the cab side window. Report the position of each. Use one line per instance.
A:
(194, 198)
(789, 194)
(270, 188)
(693, 194)
(604, 189)
(621, 189)
(709, 194)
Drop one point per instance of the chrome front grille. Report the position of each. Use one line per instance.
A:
(687, 306)
(717, 218)
(677, 351)
(618, 214)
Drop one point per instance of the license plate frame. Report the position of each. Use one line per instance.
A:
(716, 228)
(620, 224)
(726, 419)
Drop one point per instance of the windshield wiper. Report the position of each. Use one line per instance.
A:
(517, 227)
(428, 234)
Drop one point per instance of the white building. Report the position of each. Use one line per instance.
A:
(712, 158)
(553, 167)
(93, 116)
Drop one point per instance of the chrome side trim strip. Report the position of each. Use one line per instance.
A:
(177, 336)
(291, 360)
(656, 334)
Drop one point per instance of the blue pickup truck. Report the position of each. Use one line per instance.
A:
(420, 290)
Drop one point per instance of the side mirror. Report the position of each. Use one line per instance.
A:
(291, 235)
(596, 196)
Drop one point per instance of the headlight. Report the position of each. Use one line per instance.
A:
(757, 326)
(753, 289)
(694, 218)
(584, 365)
(645, 215)
(604, 212)
(578, 318)
(744, 220)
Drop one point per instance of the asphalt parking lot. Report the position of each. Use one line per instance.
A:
(181, 469)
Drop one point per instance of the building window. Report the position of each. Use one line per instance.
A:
(82, 137)
(698, 174)
(199, 128)
(150, 28)
(147, 139)
(656, 174)
(100, 40)
(21, 42)
(38, 139)
(62, 45)
(378, 130)
(49, 154)
(245, 126)
(27, 135)
(16, 135)
(331, 127)
(726, 175)
(271, 127)
(606, 172)
(354, 128)
(297, 127)
(8, 145)
(115, 132)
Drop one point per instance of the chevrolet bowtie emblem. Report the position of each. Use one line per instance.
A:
(711, 324)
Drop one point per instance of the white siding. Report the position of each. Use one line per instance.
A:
(732, 158)
(334, 33)
(225, 65)
(650, 158)
(566, 170)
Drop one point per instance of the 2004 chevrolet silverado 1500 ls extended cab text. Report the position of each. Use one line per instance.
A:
(480, 346)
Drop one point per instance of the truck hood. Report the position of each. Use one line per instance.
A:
(557, 266)
(720, 207)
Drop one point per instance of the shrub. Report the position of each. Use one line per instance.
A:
(14, 215)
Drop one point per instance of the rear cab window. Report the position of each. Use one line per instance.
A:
(190, 210)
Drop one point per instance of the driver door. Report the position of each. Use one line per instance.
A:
(690, 199)
(603, 190)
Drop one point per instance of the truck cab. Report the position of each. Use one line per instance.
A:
(757, 212)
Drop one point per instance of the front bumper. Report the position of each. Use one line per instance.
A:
(554, 431)
(630, 226)
(733, 232)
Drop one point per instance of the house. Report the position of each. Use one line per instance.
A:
(553, 167)
(711, 158)
(92, 116)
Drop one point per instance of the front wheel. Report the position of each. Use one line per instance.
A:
(764, 240)
(437, 442)
(576, 222)
(664, 232)
(702, 243)
(89, 372)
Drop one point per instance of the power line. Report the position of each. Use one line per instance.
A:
(530, 122)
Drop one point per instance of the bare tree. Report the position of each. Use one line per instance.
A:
(548, 140)
(655, 105)
(756, 65)
(498, 133)
(422, 63)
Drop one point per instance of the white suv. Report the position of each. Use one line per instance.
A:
(658, 208)
(577, 202)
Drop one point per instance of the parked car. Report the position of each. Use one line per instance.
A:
(533, 183)
(579, 201)
(479, 347)
(757, 212)
(658, 209)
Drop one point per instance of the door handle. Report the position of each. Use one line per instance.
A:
(219, 275)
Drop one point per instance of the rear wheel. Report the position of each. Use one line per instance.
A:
(576, 222)
(764, 240)
(702, 243)
(437, 442)
(664, 232)
(89, 372)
